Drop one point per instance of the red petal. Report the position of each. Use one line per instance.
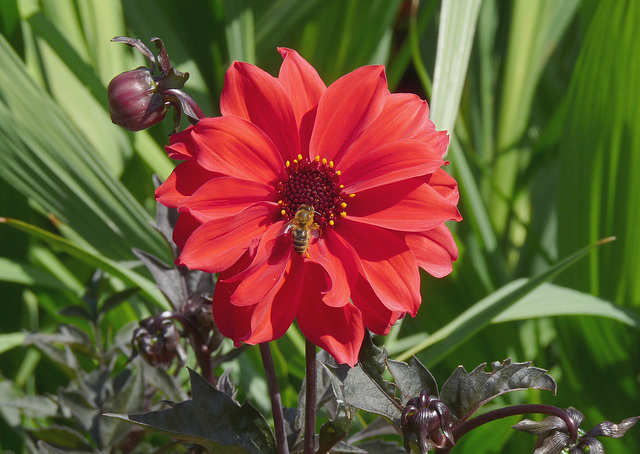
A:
(348, 106)
(386, 263)
(216, 245)
(438, 140)
(338, 330)
(434, 250)
(338, 259)
(375, 315)
(227, 196)
(404, 116)
(267, 269)
(389, 163)
(274, 315)
(301, 82)
(185, 226)
(233, 322)
(185, 179)
(446, 185)
(181, 145)
(252, 94)
(234, 147)
(409, 205)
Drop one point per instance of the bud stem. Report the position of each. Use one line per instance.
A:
(494, 415)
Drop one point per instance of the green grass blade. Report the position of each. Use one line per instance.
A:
(47, 159)
(550, 300)
(484, 311)
(11, 340)
(25, 274)
(455, 40)
(95, 260)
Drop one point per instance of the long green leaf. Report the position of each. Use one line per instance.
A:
(23, 273)
(94, 259)
(484, 311)
(11, 340)
(455, 40)
(47, 159)
(550, 300)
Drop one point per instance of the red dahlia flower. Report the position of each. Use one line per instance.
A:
(368, 165)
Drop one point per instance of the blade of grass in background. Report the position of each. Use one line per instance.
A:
(447, 338)
(599, 191)
(46, 159)
(94, 259)
(536, 28)
(455, 40)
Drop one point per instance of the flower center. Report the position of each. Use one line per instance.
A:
(316, 184)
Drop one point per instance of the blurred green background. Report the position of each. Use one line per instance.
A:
(541, 99)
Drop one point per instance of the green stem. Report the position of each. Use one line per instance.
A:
(276, 402)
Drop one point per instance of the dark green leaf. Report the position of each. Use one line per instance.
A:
(378, 428)
(61, 436)
(335, 430)
(465, 392)
(382, 447)
(211, 419)
(115, 299)
(357, 388)
(226, 386)
(67, 335)
(46, 448)
(35, 406)
(80, 404)
(167, 278)
(76, 311)
(126, 398)
(372, 360)
(162, 381)
(412, 378)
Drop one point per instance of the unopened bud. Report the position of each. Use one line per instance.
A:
(134, 100)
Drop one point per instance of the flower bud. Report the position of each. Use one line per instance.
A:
(138, 99)
(134, 100)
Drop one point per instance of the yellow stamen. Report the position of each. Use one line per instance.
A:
(288, 164)
(317, 158)
(280, 202)
(343, 214)
(299, 157)
(352, 195)
(338, 173)
(341, 186)
(324, 161)
(343, 205)
(331, 222)
(283, 212)
(331, 164)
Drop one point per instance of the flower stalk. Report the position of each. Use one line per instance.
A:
(310, 402)
(276, 401)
